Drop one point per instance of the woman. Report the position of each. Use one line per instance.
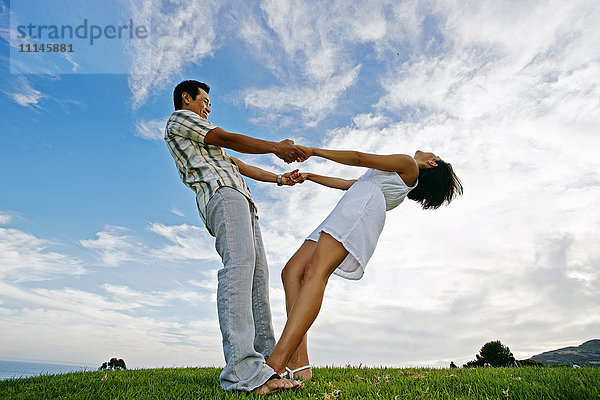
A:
(346, 239)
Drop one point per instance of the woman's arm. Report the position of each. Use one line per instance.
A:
(400, 163)
(336, 183)
(259, 174)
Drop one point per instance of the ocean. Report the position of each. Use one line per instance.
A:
(20, 369)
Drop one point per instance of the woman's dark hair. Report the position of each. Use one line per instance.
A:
(189, 87)
(436, 186)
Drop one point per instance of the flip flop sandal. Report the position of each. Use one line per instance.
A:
(291, 372)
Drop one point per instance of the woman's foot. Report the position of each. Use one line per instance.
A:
(301, 373)
(275, 384)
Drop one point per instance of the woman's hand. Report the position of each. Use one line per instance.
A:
(304, 176)
(308, 151)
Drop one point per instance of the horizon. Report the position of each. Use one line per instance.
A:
(102, 250)
(86, 365)
(82, 364)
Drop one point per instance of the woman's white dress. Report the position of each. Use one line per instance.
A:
(358, 218)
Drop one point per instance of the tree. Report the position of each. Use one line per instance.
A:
(478, 362)
(493, 353)
(496, 354)
(114, 363)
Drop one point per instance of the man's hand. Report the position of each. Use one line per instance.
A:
(288, 152)
(291, 178)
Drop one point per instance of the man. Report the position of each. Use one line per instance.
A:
(230, 215)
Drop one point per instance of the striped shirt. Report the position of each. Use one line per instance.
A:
(203, 167)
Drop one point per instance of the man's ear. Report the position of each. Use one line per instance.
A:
(432, 163)
(186, 98)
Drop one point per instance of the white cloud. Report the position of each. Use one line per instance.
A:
(487, 72)
(317, 36)
(180, 36)
(75, 66)
(115, 248)
(41, 320)
(311, 46)
(4, 218)
(4, 23)
(313, 103)
(25, 257)
(507, 260)
(25, 95)
(98, 327)
(133, 298)
(177, 212)
(303, 45)
(190, 242)
(209, 283)
(370, 120)
(152, 129)
(137, 299)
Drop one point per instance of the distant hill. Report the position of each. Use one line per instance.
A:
(586, 354)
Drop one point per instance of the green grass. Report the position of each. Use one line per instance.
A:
(328, 384)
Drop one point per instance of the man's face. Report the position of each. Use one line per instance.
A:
(200, 105)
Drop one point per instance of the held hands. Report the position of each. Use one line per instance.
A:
(308, 151)
(288, 152)
(291, 178)
(303, 177)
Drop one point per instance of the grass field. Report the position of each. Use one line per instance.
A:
(329, 383)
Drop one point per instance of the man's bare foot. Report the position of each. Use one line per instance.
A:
(301, 373)
(275, 384)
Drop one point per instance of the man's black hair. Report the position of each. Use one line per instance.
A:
(189, 87)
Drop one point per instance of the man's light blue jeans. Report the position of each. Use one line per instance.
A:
(243, 291)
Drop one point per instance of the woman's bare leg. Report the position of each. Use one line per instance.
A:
(328, 254)
(292, 277)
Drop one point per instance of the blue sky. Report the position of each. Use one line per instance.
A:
(102, 252)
